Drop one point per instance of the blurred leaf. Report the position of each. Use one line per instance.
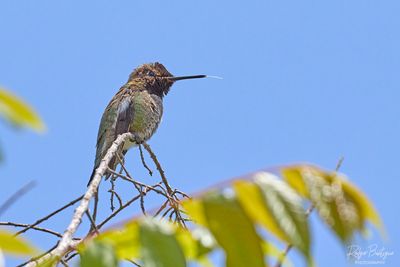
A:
(159, 247)
(286, 206)
(234, 231)
(197, 243)
(205, 262)
(194, 207)
(366, 209)
(19, 113)
(15, 245)
(273, 251)
(125, 241)
(228, 220)
(252, 200)
(326, 193)
(293, 177)
(98, 254)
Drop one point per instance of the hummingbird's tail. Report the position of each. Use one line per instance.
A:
(111, 165)
(107, 174)
(92, 175)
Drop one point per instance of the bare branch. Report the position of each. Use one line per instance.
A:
(49, 215)
(31, 227)
(14, 197)
(159, 168)
(92, 222)
(143, 161)
(66, 242)
(118, 211)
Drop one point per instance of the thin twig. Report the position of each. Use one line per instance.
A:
(173, 202)
(49, 215)
(95, 205)
(142, 202)
(66, 241)
(134, 263)
(92, 222)
(153, 188)
(112, 215)
(339, 164)
(117, 196)
(31, 227)
(161, 208)
(159, 168)
(176, 191)
(166, 212)
(14, 197)
(71, 256)
(143, 161)
(112, 191)
(138, 188)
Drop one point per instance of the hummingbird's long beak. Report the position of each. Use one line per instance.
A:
(186, 77)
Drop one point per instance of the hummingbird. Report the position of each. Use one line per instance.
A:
(136, 108)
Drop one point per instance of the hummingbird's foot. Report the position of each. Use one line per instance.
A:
(135, 139)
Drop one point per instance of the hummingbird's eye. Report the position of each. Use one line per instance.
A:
(151, 73)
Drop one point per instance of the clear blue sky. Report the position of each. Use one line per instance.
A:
(304, 81)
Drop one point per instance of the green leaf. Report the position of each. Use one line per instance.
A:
(253, 202)
(205, 262)
(194, 207)
(19, 113)
(328, 197)
(234, 231)
(15, 245)
(293, 177)
(98, 254)
(125, 241)
(365, 207)
(197, 243)
(159, 247)
(286, 207)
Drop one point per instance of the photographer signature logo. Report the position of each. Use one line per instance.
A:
(372, 254)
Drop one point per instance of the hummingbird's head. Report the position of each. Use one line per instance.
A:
(156, 79)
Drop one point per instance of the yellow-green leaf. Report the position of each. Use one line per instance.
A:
(159, 247)
(293, 177)
(125, 241)
(286, 207)
(194, 208)
(98, 254)
(368, 211)
(252, 200)
(195, 243)
(15, 245)
(19, 113)
(334, 207)
(234, 231)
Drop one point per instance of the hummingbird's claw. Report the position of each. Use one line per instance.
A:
(135, 139)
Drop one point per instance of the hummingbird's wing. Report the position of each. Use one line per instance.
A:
(115, 121)
(125, 116)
